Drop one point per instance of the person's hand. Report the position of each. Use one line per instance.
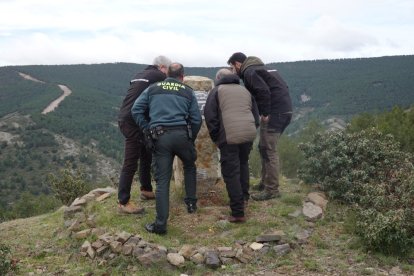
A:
(264, 119)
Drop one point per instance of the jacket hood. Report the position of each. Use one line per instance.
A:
(250, 61)
(227, 79)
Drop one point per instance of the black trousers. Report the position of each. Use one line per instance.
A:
(135, 152)
(234, 162)
(173, 143)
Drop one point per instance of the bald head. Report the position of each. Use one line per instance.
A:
(176, 70)
(223, 72)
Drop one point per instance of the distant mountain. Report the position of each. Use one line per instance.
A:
(32, 144)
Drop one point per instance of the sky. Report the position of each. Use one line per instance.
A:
(201, 33)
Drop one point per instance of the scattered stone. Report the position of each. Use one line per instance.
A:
(265, 249)
(369, 270)
(282, 249)
(239, 242)
(256, 246)
(106, 238)
(226, 252)
(82, 234)
(71, 211)
(85, 246)
(127, 249)
(142, 244)
(295, 214)
(134, 240)
(90, 221)
(318, 199)
(186, 251)
(68, 223)
(197, 258)
(175, 259)
(78, 202)
(303, 236)
(396, 271)
(101, 191)
(212, 260)
(81, 217)
(97, 231)
(226, 261)
(271, 236)
(311, 211)
(116, 246)
(137, 251)
(91, 253)
(202, 250)
(88, 197)
(75, 226)
(101, 250)
(245, 255)
(163, 248)
(103, 197)
(224, 248)
(123, 237)
(152, 257)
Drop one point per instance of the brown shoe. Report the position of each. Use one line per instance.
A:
(147, 195)
(236, 219)
(130, 208)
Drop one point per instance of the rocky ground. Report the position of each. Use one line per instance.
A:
(300, 233)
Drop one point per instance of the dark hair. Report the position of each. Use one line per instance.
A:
(240, 57)
(175, 70)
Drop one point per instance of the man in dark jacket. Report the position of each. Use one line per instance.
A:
(134, 147)
(275, 108)
(174, 121)
(232, 118)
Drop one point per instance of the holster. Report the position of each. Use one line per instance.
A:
(148, 140)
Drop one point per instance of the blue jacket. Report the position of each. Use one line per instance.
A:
(169, 103)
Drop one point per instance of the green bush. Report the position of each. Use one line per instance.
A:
(385, 215)
(68, 184)
(368, 170)
(342, 161)
(6, 263)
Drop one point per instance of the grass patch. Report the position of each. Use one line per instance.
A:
(42, 242)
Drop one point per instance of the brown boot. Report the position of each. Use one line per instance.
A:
(147, 195)
(130, 208)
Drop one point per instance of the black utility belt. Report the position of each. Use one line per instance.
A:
(159, 130)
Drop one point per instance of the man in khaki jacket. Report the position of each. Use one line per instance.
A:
(232, 118)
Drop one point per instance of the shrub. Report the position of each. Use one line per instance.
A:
(6, 263)
(69, 184)
(367, 169)
(341, 162)
(385, 214)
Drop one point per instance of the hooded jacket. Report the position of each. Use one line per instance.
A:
(267, 87)
(231, 113)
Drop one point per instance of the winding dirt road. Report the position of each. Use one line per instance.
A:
(53, 105)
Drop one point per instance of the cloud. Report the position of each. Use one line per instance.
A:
(201, 33)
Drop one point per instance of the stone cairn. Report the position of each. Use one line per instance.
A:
(107, 246)
(208, 171)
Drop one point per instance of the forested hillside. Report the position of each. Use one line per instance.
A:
(320, 90)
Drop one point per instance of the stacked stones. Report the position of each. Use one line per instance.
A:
(77, 221)
(207, 155)
(108, 245)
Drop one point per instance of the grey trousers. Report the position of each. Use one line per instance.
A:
(270, 159)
